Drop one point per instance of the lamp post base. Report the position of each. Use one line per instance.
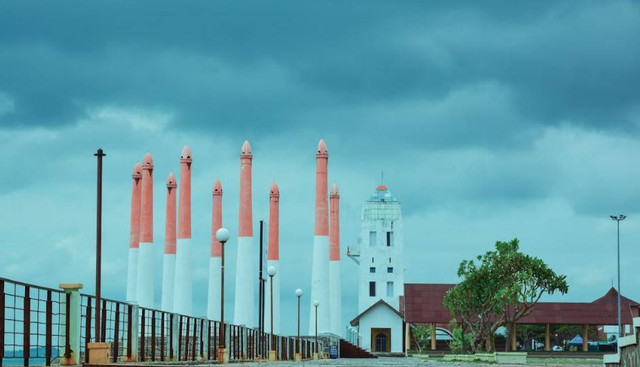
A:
(272, 356)
(223, 356)
(298, 357)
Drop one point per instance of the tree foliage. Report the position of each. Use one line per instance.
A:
(421, 335)
(498, 288)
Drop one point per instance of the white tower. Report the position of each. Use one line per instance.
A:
(381, 251)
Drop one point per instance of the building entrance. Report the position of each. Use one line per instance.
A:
(381, 340)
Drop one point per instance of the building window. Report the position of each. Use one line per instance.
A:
(372, 260)
(389, 239)
(389, 289)
(372, 289)
(390, 269)
(372, 238)
(372, 269)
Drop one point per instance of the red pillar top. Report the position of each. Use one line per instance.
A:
(322, 220)
(334, 230)
(246, 216)
(134, 239)
(273, 250)
(170, 221)
(216, 219)
(146, 200)
(184, 215)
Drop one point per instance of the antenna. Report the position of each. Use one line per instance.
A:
(381, 178)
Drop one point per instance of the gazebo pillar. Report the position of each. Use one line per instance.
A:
(585, 338)
(433, 336)
(547, 337)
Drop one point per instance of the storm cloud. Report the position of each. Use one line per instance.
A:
(489, 120)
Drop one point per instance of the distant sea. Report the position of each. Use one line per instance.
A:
(20, 361)
(17, 360)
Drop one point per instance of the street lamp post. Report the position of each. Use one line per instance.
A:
(316, 303)
(298, 355)
(271, 271)
(619, 218)
(222, 235)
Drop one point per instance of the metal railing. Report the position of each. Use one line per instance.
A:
(32, 324)
(34, 331)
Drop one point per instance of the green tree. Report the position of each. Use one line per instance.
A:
(460, 340)
(501, 288)
(528, 332)
(421, 336)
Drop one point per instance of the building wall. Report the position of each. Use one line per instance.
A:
(381, 317)
(381, 214)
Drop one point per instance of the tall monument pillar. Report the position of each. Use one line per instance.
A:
(145, 289)
(320, 267)
(134, 239)
(334, 263)
(213, 298)
(183, 281)
(273, 259)
(169, 261)
(245, 268)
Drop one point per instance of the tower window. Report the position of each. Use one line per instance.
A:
(372, 289)
(372, 238)
(372, 269)
(390, 269)
(389, 289)
(389, 239)
(372, 260)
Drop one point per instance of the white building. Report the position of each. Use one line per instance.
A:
(381, 273)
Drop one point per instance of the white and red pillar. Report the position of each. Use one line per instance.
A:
(245, 268)
(213, 299)
(145, 290)
(134, 239)
(273, 259)
(169, 258)
(320, 266)
(183, 290)
(334, 263)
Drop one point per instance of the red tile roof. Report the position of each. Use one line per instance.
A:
(423, 304)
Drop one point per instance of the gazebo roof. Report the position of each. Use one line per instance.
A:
(423, 304)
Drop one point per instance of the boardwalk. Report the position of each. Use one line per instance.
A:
(410, 362)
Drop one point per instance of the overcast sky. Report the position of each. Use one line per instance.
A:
(490, 120)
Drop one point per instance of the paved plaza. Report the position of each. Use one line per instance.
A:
(411, 362)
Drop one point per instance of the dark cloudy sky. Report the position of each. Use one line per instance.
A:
(490, 120)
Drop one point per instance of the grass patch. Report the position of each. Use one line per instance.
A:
(564, 361)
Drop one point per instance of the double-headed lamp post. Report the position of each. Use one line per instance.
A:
(618, 219)
(316, 303)
(222, 235)
(271, 271)
(299, 295)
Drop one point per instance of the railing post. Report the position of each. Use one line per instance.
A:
(142, 335)
(208, 340)
(116, 334)
(162, 334)
(243, 331)
(133, 330)
(26, 326)
(72, 320)
(2, 320)
(175, 338)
